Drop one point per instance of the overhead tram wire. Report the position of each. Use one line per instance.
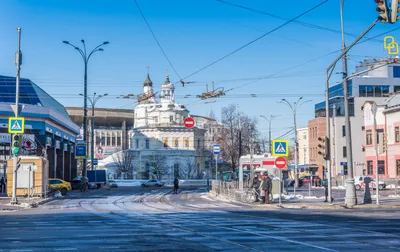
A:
(155, 38)
(309, 25)
(255, 40)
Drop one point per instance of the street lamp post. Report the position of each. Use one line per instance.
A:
(294, 108)
(271, 117)
(93, 100)
(85, 56)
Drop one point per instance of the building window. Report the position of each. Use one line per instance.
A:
(165, 141)
(370, 168)
(373, 91)
(147, 144)
(378, 132)
(186, 142)
(396, 72)
(398, 167)
(344, 151)
(344, 130)
(176, 142)
(171, 118)
(381, 166)
(155, 118)
(397, 134)
(304, 136)
(369, 137)
(396, 89)
(137, 143)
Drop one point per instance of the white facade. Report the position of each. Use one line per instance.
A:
(302, 139)
(159, 130)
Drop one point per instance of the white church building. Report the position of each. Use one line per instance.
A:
(159, 135)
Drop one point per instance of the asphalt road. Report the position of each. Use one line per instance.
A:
(137, 219)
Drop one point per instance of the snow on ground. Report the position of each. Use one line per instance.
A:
(394, 196)
(392, 187)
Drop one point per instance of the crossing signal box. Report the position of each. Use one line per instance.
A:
(323, 146)
(383, 11)
(16, 144)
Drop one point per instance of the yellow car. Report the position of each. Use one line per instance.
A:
(59, 184)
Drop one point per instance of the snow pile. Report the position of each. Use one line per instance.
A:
(128, 183)
(310, 197)
(338, 187)
(392, 187)
(394, 196)
(58, 194)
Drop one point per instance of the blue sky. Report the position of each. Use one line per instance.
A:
(193, 34)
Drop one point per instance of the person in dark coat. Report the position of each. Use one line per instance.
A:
(267, 187)
(2, 184)
(256, 186)
(176, 185)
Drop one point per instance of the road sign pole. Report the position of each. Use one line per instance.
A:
(29, 183)
(18, 62)
(216, 167)
(280, 186)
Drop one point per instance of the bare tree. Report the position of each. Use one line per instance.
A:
(158, 164)
(234, 122)
(189, 169)
(123, 160)
(212, 115)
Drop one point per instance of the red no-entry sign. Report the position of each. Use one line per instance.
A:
(189, 122)
(280, 162)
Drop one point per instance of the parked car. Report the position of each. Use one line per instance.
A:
(359, 183)
(58, 184)
(112, 184)
(153, 182)
(76, 182)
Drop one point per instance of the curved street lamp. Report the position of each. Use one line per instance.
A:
(294, 108)
(85, 56)
(93, 102)
(271, 117)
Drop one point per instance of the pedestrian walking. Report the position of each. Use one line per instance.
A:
(325, 185)
(256, 186)
(176, 185)
(267, 187)
(2, 184)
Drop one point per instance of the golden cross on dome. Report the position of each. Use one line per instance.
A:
(148, 68)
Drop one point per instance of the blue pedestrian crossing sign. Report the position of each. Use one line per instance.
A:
(280, 148)
(216, 149)
(16, 125)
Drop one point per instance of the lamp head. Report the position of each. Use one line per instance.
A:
(82, 40)
(106, 42)
(101, 49)
(65, 42)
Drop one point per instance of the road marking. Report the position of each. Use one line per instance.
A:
(95, 221)
(11, 223)
(65, 249)
(21, 250)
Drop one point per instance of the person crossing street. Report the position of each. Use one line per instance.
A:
(267, 187)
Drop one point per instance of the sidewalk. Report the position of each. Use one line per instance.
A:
(301, 202)
(23, 203)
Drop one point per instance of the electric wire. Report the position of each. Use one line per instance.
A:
(255, 40)
(155, 38)
(309, 25)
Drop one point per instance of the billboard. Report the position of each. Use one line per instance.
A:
(102, 152)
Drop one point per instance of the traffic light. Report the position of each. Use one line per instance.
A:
(394, 10)
(323, 146)
(383, 11)
(382, 142)
(16, 144)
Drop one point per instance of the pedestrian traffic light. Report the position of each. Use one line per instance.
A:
(323, 146)
(383, 11)
(394, 11)
(16, 144)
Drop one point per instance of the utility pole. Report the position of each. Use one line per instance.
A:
(93, 102)
(85, 56)
(374, 110)
(271, 117)
(351, 196)
(294, 108)
(18, 62)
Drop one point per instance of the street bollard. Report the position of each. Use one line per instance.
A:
(367, 193)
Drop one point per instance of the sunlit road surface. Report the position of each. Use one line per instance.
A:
(137, 219)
